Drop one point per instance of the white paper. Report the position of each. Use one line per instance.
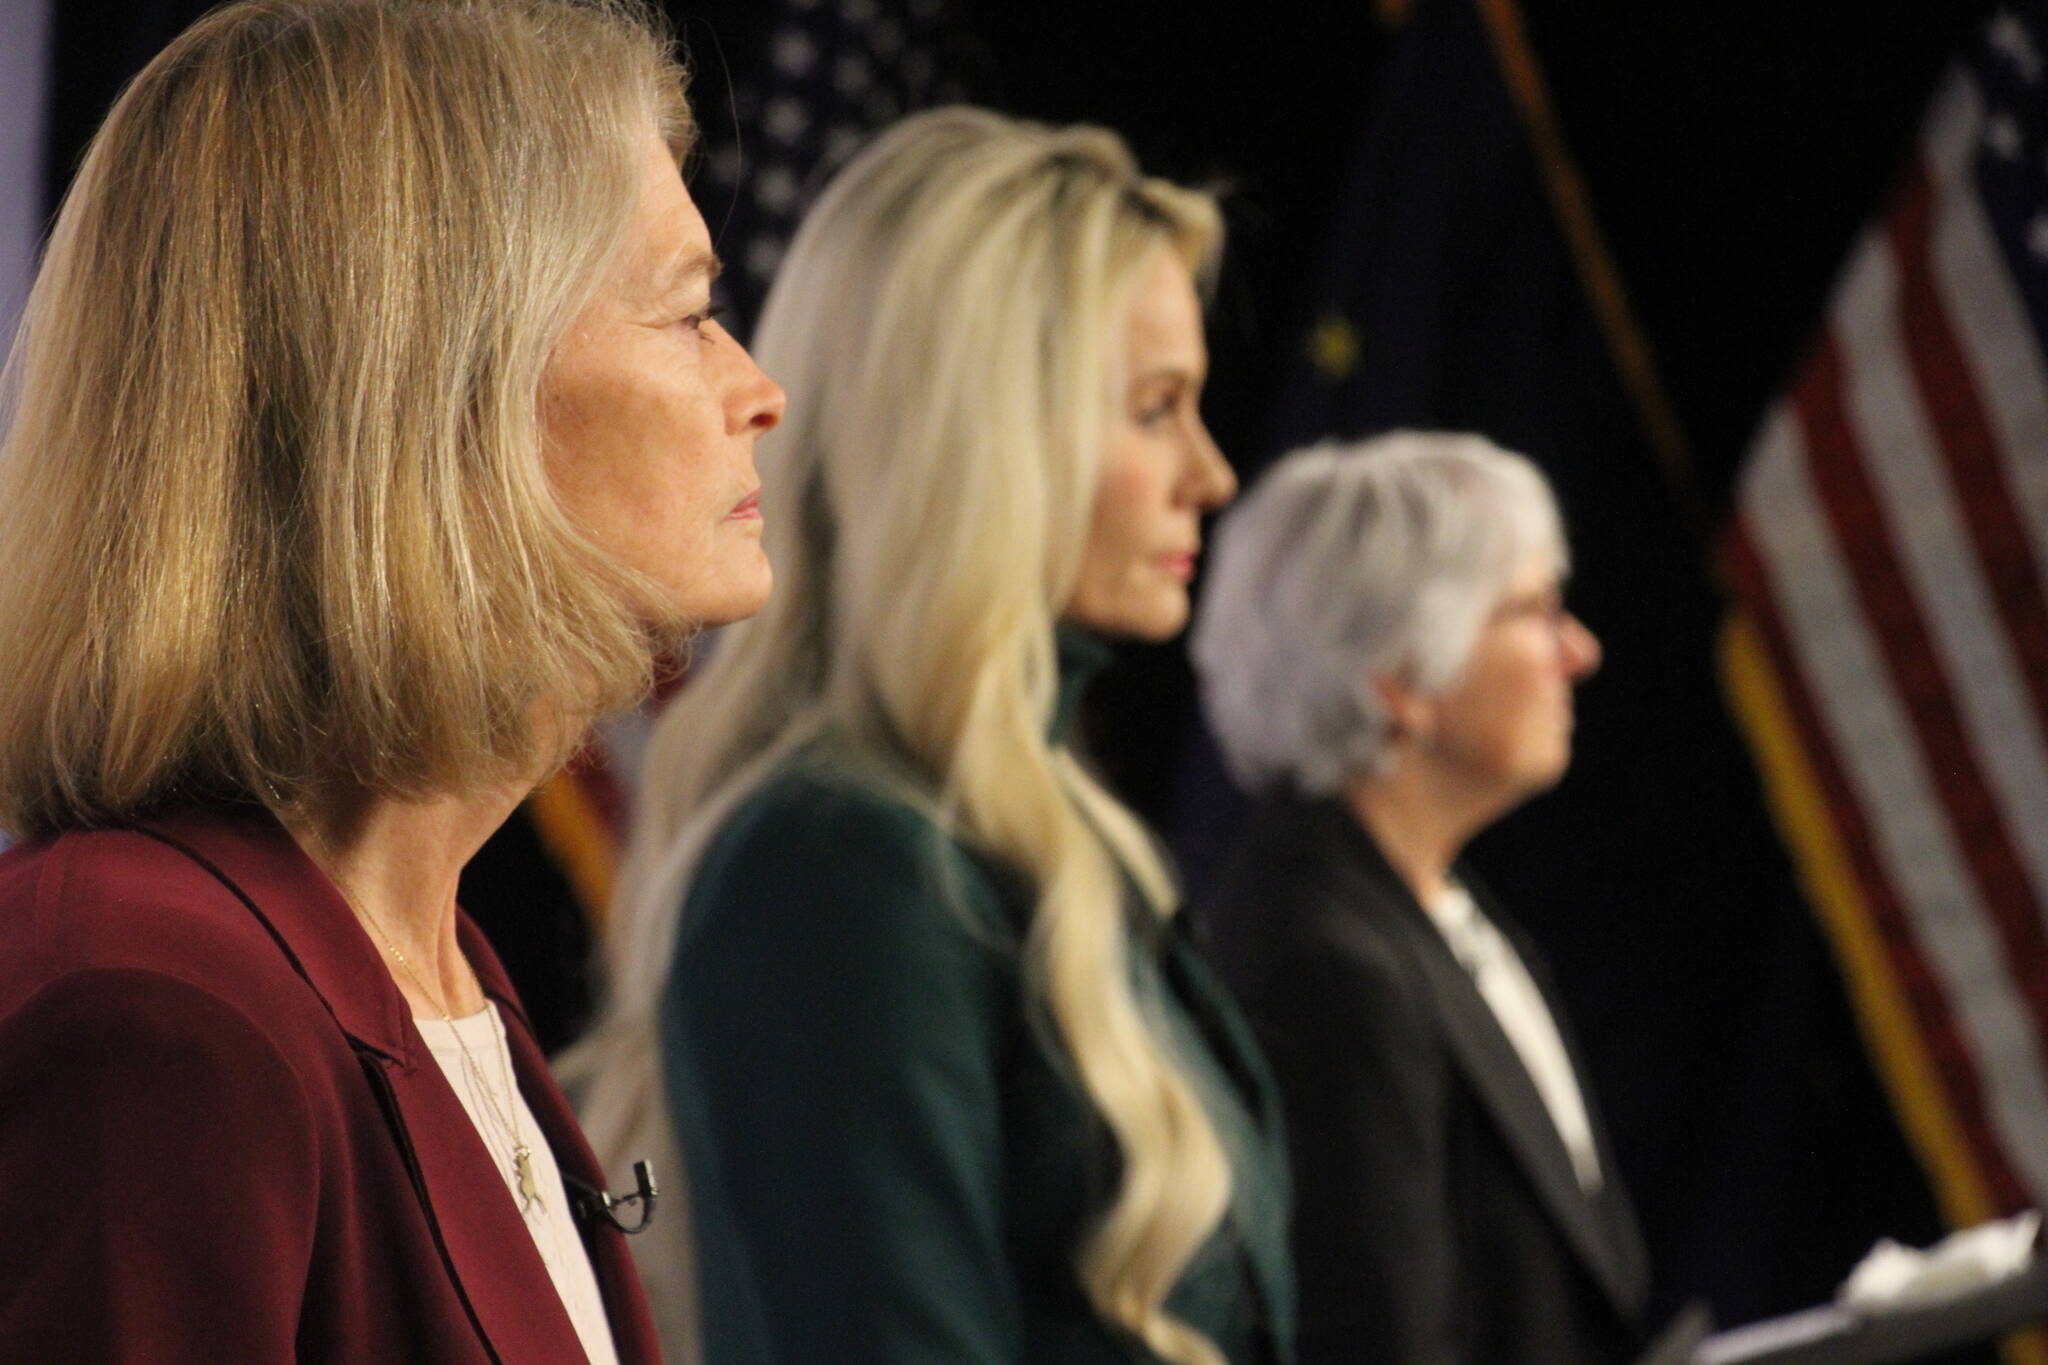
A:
(1892, 1277)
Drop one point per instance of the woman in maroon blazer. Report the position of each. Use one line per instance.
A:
(371, 435)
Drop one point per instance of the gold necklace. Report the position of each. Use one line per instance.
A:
(522, 1155)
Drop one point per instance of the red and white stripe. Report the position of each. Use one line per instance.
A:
(1890, 529)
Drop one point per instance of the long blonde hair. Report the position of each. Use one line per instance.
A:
(946, 323)
(276, 521)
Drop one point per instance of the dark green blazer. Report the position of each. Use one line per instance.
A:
(888, 1157)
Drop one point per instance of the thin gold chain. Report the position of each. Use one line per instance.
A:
(522, 1155)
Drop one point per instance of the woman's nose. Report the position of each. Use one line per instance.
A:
(1210, 480)
(757, 402)
(1581, 647)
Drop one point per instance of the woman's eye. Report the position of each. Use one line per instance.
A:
(1154, 414)
(694, 322)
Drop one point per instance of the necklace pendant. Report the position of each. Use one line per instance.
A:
(529, 1187)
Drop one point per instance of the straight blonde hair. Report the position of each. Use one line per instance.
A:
(947, 324)
(276, 521)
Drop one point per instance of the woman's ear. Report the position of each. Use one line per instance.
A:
(1410, 712)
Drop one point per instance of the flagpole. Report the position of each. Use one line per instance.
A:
(1593, 261)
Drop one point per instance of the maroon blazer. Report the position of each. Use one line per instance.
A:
(223, 1142)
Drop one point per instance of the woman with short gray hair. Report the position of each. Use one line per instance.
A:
(1387, 663)
(1423, 529)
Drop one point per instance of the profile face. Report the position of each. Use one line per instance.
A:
(1160, 471)
(1504, 725)
(650, 411)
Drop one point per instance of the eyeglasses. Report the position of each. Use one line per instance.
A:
(1547, 604)
(592, 1204)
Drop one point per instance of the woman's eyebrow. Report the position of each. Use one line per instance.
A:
(688, 267)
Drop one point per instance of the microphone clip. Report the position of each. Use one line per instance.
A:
(593, 1205)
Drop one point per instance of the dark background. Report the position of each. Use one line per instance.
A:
(1375, 172)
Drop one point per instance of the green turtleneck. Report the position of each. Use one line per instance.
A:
(1082, 656)
(888, 1157)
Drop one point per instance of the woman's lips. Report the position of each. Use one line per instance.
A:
(1180, 565)
(747, 508)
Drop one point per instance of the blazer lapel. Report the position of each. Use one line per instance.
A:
(489, 1250)
(1503, 1085)
(484, 1242)
(1631, 1258)
(633, 1333)
(1589, 1223)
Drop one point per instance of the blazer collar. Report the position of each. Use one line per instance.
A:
(489, 1251)
(258, 860)
(1600, 1227)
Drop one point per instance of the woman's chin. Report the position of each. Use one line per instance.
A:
(1150, 618)
(739, 594)
(1156, 622)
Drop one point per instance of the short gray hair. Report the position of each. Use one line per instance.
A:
(1347, 563)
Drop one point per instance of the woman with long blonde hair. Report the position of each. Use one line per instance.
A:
(370, 434)
(897, 973)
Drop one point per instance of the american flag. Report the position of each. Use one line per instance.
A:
(830, 75)
(1890, 655)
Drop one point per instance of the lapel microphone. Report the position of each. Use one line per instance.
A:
(592, 1205)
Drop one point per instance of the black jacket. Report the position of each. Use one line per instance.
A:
(1438, 1219)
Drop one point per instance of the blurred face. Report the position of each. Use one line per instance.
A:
(650, 411)
(1160, 472)
(1503, 728)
